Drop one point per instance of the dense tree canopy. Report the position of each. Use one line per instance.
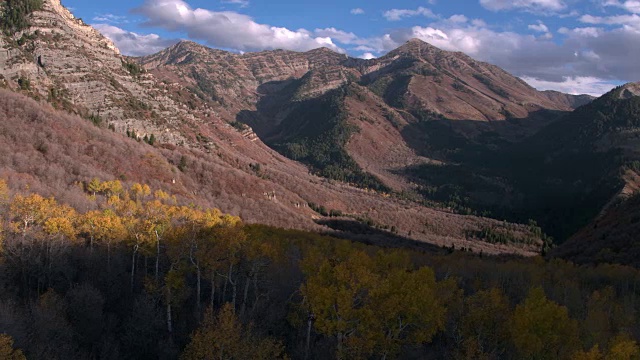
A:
(140, 276)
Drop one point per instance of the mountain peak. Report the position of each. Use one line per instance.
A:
(630, 90)
(415, 47)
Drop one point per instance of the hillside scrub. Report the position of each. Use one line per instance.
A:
(14, 14)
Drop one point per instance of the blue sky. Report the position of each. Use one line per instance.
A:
(575, 46)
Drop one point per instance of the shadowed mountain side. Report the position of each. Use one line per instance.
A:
(611, 238)
(490, 175)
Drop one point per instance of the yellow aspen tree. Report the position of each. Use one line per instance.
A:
(334, 293)
(4, 194)
(105, 228)
(113, 188)
(542, 329)
(140, 191)
(224, 337)
(593, 354)
(7, 350)
(485, 314)
(158, 218)
(622, 347)
(398, 301)
(28, 211)
(94, 186)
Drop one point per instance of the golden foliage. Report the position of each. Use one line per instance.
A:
(224, 337)
(542, 329)
(7, 351)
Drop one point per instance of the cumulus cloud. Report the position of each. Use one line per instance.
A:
(632, 20)
(339, 35)
(241, 3)
(110, 18)
(228, 29)
(530, 5)
(398, 14)
(539, 27)
(367, 56)
(458, 19)
(133, 44)
(632, 6)
(357, 11)
(574, 85)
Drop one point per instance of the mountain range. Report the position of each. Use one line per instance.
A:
(420, 144)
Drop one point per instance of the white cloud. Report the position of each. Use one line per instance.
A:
(539, 27)
(632, 20)
(458, 19)
(632, 6)
(241, 3)
(110, 18)
(339, 35)
(574, 85)
(530, 5)
(367, 56)
(228, 29)
(357, 11)
(133, 44)
(398, 14)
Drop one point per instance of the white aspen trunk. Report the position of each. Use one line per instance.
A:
(169, 319)
(213, 288)
(157, 255)
(245, 295)
(133, 265)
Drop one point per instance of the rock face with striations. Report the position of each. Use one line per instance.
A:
(73, 66)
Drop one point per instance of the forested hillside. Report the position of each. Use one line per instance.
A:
(141, 276)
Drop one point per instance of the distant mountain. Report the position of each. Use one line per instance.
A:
(359, 121)
(199, 152)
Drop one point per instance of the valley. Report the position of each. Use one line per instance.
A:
(199, 203)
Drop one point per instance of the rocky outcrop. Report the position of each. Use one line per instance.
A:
(63, 60)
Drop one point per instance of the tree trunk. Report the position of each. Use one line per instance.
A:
(224, 289)
(233, 287)
(198, 287)
(308, 347)
(169, 319)
(157, 255)
(256, 294)
(133, 265)
(213, 288)
(244, 296)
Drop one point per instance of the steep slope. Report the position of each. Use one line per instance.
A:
(197, 155)
(611, 238)
(608, 128)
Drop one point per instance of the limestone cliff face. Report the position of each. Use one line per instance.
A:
(63, 60)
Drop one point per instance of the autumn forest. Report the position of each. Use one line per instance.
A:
(143, 277)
